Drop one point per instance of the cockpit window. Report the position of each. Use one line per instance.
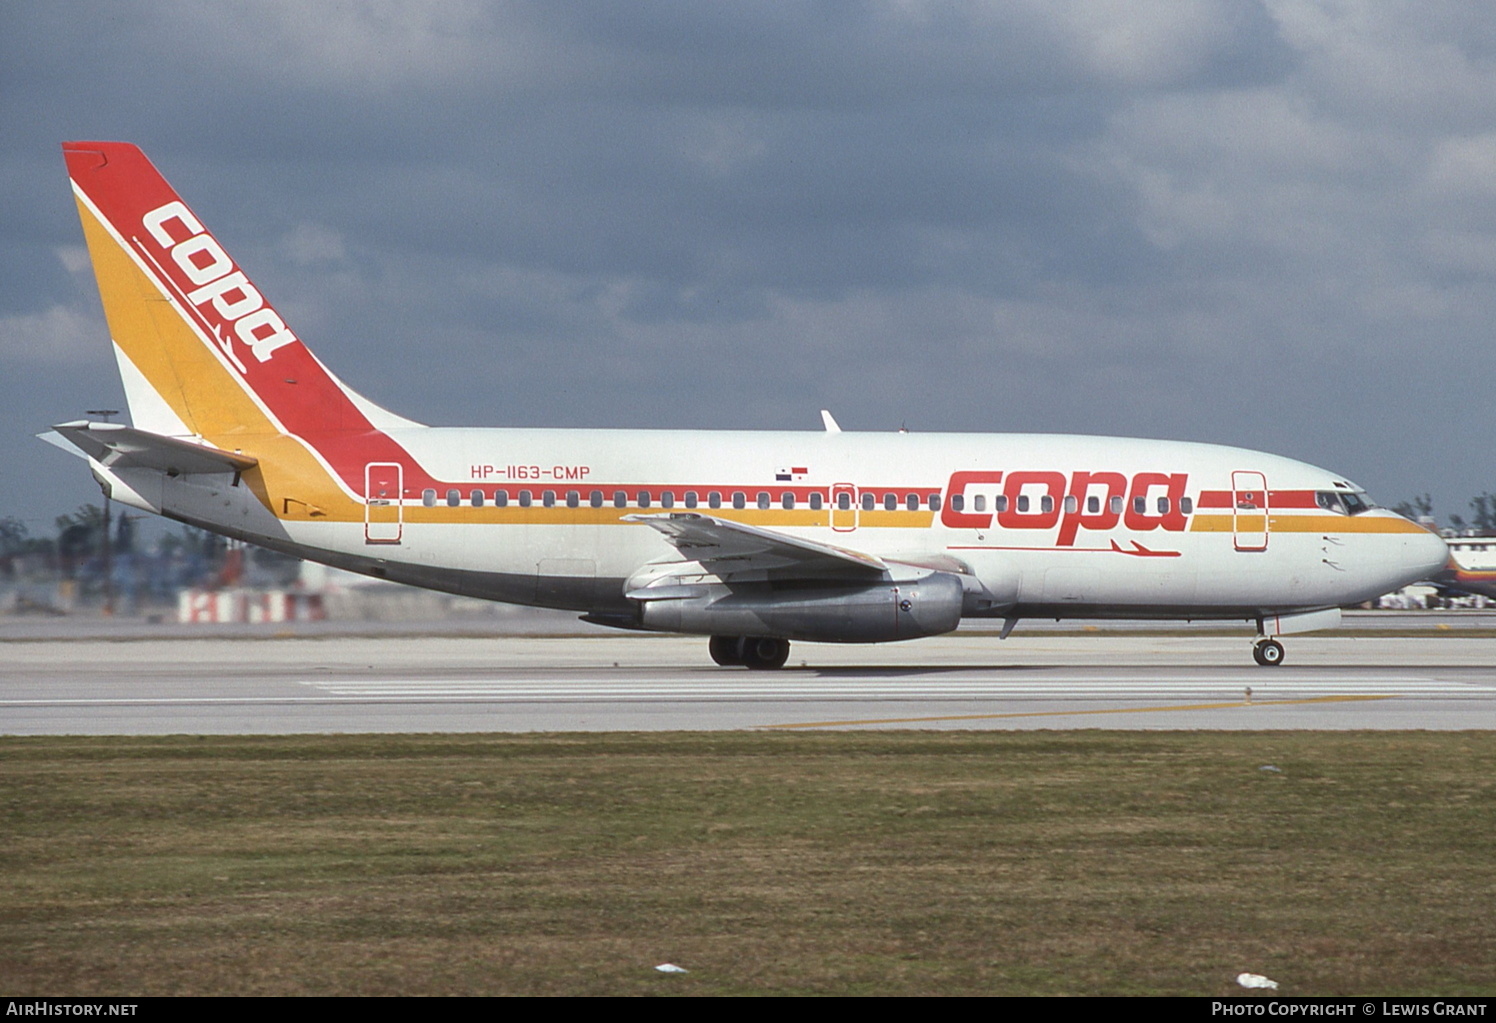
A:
(1330, 501)
(1342, 503)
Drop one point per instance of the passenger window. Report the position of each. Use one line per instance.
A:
(620, 499)
(1072, 504)
(690, 499)
(815, 500)
(1186, 505)
(548, 498)
(643, 501)
(738, 500)
(1093, 504)
(763, 499)
(524, 499)
(667, 499)
(1140, 505)
(890, 502)
(867, 502)
(714, 499)
(573, 499)
(1117, 505)
(1000, 503)
(477, 498)
(786, 500)
(958, 502)
(1046, 504)
(1163, 506)
(979, 503)
(1023, 502)
(595, 499)
(454, 498)
(934, 502)
(501, 498)
(428, 498)
(911, 501)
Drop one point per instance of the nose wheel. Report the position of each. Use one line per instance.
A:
(1267, 652)
(761, 653)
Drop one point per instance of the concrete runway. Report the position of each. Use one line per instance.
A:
(1132, 680)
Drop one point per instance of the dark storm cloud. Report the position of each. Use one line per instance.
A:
(1271, 224)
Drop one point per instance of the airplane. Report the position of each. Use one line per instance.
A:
(754, 539)
(1471, 569)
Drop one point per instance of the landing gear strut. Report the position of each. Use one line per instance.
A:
(1267, 652)
(763, 653)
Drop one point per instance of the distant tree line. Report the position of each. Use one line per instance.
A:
(79, 536)
(76, 550)
(1482, 507)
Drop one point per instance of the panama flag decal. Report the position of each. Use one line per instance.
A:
(791, 475)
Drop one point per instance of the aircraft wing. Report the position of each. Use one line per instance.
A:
(118, 446)
(729, 548)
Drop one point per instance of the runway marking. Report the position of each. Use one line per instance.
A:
(748, 687)
(744, 687)
(1075, 713)
(713, 687)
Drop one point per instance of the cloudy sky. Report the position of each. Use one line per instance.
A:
(1270, 224)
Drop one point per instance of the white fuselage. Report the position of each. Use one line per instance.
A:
(558, 538)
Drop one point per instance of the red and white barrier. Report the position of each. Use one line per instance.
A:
(253, 606)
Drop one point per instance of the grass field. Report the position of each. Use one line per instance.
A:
(866, 863)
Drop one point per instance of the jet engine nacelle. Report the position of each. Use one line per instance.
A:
(825, 613)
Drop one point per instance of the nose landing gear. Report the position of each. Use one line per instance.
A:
(761, 653)
(1267, 652)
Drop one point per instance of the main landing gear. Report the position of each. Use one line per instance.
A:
(762, 653)
(1267, 652)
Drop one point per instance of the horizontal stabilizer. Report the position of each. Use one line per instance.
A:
(117, 446)
(724, 546)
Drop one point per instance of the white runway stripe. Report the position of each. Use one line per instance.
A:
(713, 687)
(754, 688)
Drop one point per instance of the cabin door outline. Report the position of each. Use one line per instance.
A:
(384, 511)
(843, 519)
(1249, 511)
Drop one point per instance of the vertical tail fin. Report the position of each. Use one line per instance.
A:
(201, 349)
(204, 355)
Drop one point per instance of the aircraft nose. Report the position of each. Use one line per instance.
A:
(1424, 553)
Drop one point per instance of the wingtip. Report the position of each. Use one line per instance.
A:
(57, 440)
(830, 421)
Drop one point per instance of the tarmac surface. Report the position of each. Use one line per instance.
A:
(1405, 671)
